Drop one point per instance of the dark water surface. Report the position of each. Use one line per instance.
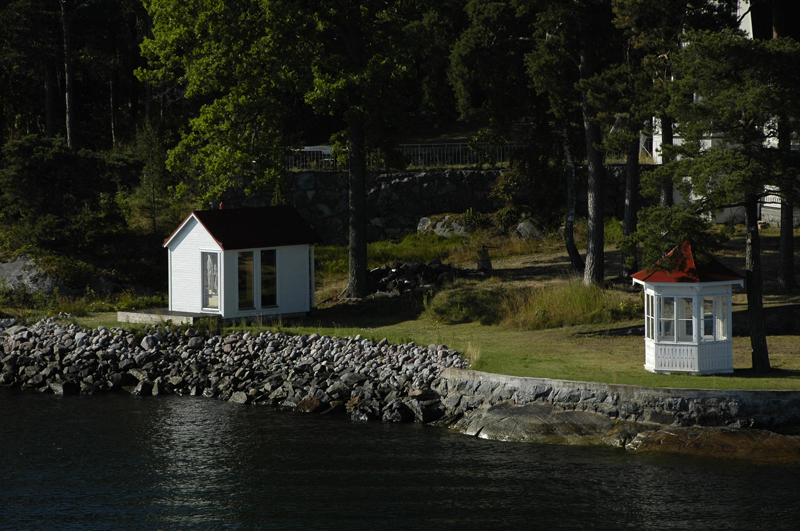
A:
(121, 462)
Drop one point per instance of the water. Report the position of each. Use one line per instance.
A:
(121, 462)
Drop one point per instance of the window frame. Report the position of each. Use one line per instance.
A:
(274, 264)
(240, 289)
(203, 276)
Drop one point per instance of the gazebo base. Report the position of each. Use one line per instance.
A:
(706, 358)
(689, 372)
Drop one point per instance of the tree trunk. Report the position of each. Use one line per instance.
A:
(112, 104)
(786, 277)
(357, 272)
(631, 189)
(569, 224)
(593, 273)
(667, 138)
(755, 309)
(49, 98)
(68, 74)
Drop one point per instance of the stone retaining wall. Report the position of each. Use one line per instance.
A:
(397, 201)
(463, 391)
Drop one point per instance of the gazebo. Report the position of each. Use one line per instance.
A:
(687, 313)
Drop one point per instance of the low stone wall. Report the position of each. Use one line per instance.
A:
(463, 391)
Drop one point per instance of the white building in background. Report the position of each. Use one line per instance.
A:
(755, 20)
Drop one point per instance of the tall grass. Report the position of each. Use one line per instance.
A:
(563, 304)
(567, 304)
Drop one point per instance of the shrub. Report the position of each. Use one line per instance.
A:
(475, 220)
(466, 303)
(507, 217)
(564, 304)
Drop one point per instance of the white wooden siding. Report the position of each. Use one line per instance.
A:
(293, 284)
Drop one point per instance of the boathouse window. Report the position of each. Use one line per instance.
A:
(210, 267)
(245, 280)
(269, 280)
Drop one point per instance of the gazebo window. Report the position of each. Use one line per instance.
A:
(649, 316)
(722, 317)
(667, 319)
(708, 318)
(269, 279)
(685, 322)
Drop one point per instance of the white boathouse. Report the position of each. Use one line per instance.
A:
(242, 263)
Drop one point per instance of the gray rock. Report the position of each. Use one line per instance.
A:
(239, 397)
(196, 342)
(148, 342)
(143, 388)
(527, 229)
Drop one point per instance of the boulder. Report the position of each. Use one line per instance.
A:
(397, 411)
(239, 397)
(143, 388)
(309, 404)
(527, 229)
(148, 342)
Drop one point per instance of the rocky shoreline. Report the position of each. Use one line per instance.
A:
(303, 373)
(399, 383)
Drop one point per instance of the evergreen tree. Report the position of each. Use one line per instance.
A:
(726, 101)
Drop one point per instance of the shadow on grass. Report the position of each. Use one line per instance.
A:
(365, 313)
(753, 375)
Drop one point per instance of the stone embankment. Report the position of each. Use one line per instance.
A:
(305, 373)
(757, 426)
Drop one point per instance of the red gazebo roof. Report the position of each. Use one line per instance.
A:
(680, 266)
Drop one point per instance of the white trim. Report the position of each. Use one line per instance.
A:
(169, 278)
(180, 228)
(312, 278)
(695, 285)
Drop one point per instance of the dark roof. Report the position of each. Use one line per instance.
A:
(246, 228)
(680, 266)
